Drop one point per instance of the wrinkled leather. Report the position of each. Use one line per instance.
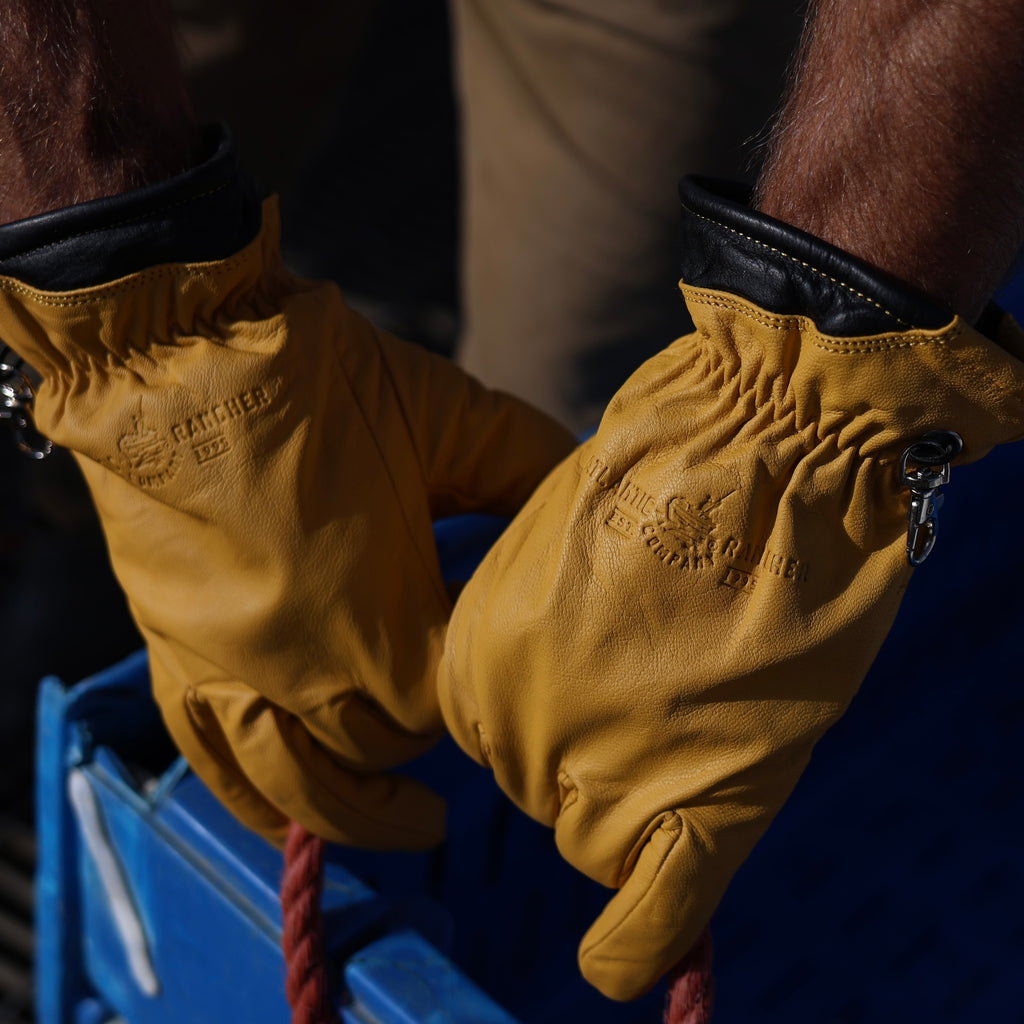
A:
(649, 653)
(266, 466)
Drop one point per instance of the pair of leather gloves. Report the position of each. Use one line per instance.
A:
(646, 657)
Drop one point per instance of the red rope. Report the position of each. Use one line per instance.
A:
(306, 983)
(689, 1000)
(691, 993)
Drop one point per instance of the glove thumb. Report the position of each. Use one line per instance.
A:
(657, 915)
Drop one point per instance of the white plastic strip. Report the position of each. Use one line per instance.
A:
(126, 918)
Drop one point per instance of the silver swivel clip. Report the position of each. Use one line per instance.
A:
(16, 394)
(924, 469)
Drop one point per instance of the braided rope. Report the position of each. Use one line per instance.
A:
(306, 983)
(689, 1000)
(691, 994)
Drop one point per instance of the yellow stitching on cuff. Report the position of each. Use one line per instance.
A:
(129, 283)
(801, 263)
(837, 346)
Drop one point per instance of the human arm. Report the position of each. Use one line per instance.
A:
(900, 141)
(94, 102)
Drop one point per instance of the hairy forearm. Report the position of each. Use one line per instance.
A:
(900, 141)
(92, 102)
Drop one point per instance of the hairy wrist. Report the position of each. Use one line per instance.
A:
(899, 141)
(93, 103)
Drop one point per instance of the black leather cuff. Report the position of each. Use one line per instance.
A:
(729, 247)
(207, 213)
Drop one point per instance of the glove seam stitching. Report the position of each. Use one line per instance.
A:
(131, 282)
(801, 263)
(80, 355)
(838, 346)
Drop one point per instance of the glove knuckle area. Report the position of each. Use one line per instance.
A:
(268, 769)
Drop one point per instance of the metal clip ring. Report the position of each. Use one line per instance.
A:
(16, 395)
(930, 456)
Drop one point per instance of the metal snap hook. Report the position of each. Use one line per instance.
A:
(924, 469)
(16, 395)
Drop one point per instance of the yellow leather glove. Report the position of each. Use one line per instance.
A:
(649, 653)
(266, 466)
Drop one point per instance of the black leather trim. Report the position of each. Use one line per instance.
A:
(729, 247)
(207, 213)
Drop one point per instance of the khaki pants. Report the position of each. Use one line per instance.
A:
(578, 118)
